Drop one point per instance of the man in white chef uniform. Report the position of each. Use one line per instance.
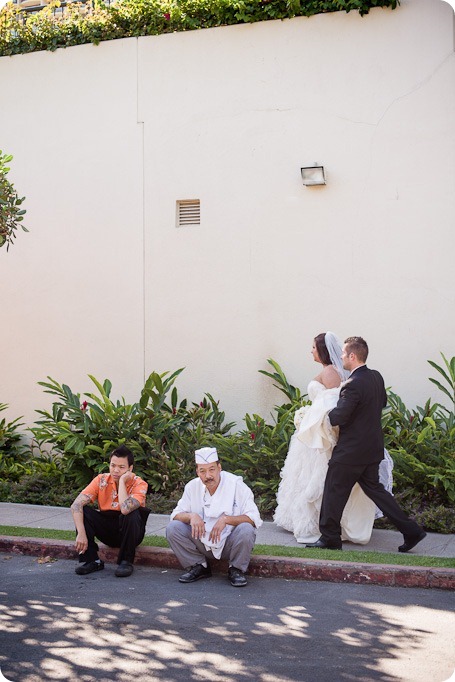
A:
(216, 518)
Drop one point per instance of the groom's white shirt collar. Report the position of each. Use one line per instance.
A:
(364, 365)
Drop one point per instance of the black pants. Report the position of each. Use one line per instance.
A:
(339, 482)
(114, 530)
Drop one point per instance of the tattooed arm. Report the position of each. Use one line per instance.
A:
(77, 510)
(127, 502)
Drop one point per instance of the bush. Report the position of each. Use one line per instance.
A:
(10, 438)
(422, 442)
(162, 436)
(160, 504)
(41, 481)
(164, 431)
(39, 489)
(428, 512)
(94, 22)
(13, 452)
(83, 432)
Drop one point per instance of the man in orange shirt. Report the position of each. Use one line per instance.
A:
(121, 520)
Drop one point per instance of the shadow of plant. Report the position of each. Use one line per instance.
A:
(57, 625)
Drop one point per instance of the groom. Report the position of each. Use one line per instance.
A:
(360, 448)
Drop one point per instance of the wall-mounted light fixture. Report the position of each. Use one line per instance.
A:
(313, 175)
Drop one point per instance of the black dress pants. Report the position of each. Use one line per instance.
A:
(114, 529)
(339, 482)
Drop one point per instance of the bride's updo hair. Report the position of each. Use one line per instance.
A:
(321, 348)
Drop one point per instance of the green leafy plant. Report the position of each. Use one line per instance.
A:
(162, 435)
(94, 22)
(448, 375)
(13, 450)
(41, 486)
(10, 437)
(163, 431)
(292, 393)
(422, 444)
(257, 453)
(11, 213)
(82, 432)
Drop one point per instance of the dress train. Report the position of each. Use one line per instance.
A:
(303, 475)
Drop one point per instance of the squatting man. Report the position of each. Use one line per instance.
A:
(122, 517)
(216, 518)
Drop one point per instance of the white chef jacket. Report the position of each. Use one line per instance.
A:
(232, 497)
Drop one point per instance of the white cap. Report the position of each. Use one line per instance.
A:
(206, 455)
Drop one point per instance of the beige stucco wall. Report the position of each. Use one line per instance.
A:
(71, 289)
(112, 136)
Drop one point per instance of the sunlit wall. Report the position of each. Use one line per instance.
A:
(107, 139)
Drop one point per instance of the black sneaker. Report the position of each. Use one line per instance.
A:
(90, 567)
(194, 573)
(124, 569)
(237, 577)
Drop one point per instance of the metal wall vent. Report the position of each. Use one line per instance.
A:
(188, 212)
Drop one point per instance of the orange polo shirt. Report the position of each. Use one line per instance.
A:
(103, 489)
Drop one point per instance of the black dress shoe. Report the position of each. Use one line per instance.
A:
(411, 541)
(237, 577)
(89, 567)
(321, 544)
(124, 569)
(194, 573)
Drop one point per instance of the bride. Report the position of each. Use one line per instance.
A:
(300, 491)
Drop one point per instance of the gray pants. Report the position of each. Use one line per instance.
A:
(189, 551)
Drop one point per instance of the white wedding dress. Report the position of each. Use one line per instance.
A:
(302, 477)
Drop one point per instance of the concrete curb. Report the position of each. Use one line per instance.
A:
(290, 568)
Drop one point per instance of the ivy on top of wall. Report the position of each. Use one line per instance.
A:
(77, 23)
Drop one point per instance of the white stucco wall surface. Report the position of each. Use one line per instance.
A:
(71, 289)
(274, 263)
(105, 283)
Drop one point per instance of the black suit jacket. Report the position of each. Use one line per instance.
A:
(358, 414)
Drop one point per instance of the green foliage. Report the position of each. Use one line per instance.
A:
(163, 432)
(83, 432)
(292, 393)
(437, 518)
(11, 213)
(257, 453)
(36, 480)
(10, 438)
(448, 375)
(40, 488)
(428, 511)
(12, 450)
(94, 22)
(422, 443)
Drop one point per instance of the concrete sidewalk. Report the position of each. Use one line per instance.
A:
(59, 518)
(436, 545)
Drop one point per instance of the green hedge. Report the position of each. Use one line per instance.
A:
(45, 30)
(73, 439)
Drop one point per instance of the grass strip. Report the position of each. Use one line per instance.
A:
(356, 557)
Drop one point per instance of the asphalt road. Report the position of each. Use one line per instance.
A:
(60, 626)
